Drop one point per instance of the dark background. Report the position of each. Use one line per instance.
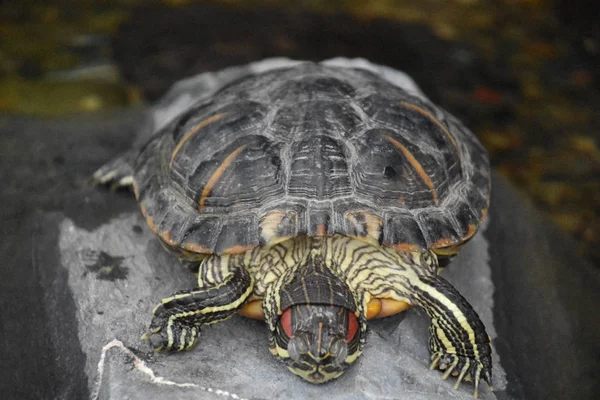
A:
(522, 74)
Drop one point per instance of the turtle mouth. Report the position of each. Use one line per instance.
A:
(320, 375)
(317, 373)
(311, 369)
(317, 377)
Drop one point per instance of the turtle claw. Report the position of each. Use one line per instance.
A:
(450, 369)
(435, 361)
(463, 371)
(467, 369)
(167, 334)
(156, 341)
(150, 333)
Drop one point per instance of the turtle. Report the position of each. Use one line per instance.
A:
(315, 196)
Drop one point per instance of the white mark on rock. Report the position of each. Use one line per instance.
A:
(141, 366)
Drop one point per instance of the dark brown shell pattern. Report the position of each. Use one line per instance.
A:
(312, 150)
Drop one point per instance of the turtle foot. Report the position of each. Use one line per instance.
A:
(171, 334)
(466, 368)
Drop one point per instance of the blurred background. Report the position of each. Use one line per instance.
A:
(522, 74)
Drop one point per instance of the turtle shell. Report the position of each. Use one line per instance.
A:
(312, 150)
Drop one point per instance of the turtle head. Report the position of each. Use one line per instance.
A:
(317, 342)
(316, 331)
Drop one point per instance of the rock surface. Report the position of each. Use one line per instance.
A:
(118, 272)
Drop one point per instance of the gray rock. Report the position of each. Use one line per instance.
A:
(118, 275)
(546, 302)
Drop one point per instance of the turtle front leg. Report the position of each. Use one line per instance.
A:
(177, 319)
(458, 341)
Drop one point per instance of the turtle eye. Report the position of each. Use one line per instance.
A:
(286, 322)
(352, 327)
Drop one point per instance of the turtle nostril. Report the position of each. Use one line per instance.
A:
(339, 349)
(296, 347)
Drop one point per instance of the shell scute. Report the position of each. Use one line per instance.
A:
(465, 217)
(394, 172)
(441, 231)
(317, 116)
(312, 86)
(320, 222)
(237, 237)
(402, 228)
(242, 175)
(220, 126)
(318, 168)
(201, 236)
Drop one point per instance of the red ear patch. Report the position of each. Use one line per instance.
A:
(352, 326)
(286, 322)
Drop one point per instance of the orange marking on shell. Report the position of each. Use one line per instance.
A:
(472, 230)
(446, 247)
(188, 255)
(321, 231)
(196, 248)
(191, 133)
(381, 308)
(443, 243)
(151, 224)
(416, 165)
(143, 210)
(167, 238)
(214, 178)
(237, 249)
(253, 310)
(429, 116)
(136, 191)
(406, 247)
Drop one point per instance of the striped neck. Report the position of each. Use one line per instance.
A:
(314, 283)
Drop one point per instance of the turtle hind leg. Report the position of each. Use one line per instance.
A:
(117, 173)
(458, 341)
(177, 319)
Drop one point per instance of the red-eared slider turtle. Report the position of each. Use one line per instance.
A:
(316, 197)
